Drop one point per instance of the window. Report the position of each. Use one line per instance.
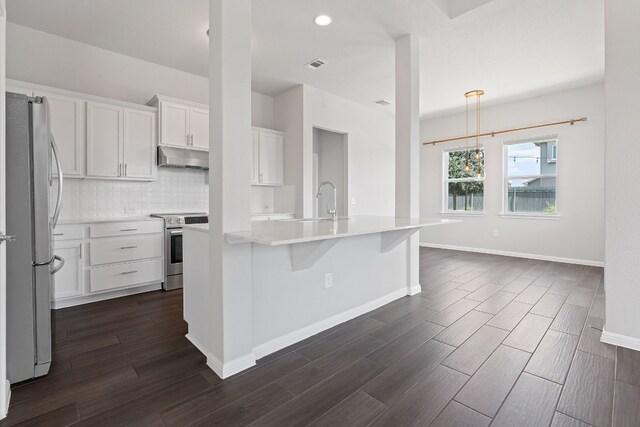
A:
(530, 177)
(464, 191)
(553, 151)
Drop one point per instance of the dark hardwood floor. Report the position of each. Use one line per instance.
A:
(490, 340)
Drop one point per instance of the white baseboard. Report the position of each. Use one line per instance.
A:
(620, 340)
(5, 400)
(515, 254)
(293, 337)
(231, 368)
(415, 289)
(73, 301)
(224, 370)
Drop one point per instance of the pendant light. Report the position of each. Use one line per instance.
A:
(469, 95)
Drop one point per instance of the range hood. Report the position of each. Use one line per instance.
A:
(182, 158)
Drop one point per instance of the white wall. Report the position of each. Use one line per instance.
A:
(622, 271)
(579, 233)
(371, 148)
(67, 64)
(289, 118)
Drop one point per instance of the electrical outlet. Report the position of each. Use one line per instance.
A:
(129, 211)
(353, 200)
(496, 233)
(328, 280)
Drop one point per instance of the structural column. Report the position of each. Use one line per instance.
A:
(408, 147)
(231, 337)
(622, 150)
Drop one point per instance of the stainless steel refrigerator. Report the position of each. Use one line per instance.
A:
(34, 193)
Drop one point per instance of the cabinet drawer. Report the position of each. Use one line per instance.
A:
(123, 249)
(113, 229)
(123, 275)
(68, 232)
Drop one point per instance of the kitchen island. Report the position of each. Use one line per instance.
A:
(308, 275)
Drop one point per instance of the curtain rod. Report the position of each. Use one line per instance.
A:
(566, 122)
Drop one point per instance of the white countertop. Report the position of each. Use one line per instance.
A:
(63, 221)
(286, 232)
(271, 213)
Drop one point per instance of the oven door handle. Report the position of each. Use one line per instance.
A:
(173, 232)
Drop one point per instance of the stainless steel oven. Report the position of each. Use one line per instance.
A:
(173, 245)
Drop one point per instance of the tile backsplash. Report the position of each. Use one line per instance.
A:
(176, 190)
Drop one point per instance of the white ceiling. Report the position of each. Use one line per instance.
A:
(509, 48)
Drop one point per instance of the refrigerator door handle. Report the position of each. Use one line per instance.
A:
(59, 266)
(56, 213)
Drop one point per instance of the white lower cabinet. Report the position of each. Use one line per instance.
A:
(107, 260)
(69, 281)
(125, 274)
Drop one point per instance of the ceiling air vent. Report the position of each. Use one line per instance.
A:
(315, 64)
(383, 102)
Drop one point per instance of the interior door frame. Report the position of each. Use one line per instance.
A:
(5, 390)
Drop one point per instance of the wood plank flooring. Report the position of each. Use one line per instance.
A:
(490, 341)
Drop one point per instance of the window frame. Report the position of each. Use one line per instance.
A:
(554, 155)
(446, 180)
(505, 179)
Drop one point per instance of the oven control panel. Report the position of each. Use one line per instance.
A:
(196, 220)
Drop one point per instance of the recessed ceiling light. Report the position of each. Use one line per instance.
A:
(323, 20)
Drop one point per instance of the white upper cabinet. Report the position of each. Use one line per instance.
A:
(199, 124)
(183, 124)
(255, 156)
(174, 124)
(269, 152)
(99, 137)
(139, 153)
(120, 142)
(104, 140)
(67, 122)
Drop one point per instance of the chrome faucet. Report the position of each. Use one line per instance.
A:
(333, 212)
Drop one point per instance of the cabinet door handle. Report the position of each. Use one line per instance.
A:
(128, 272)
(125, 169)
(119, 165)
(128, 247)
(129, 229)
(80, 251)
(58, 234)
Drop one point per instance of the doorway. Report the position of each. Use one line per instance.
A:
(330, 163)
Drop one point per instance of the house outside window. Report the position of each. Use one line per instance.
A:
(463, 191)
(531, 177)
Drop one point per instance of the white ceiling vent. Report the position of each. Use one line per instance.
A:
(315, 64)
(383, 102)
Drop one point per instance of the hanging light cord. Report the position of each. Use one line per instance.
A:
(466, 141)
